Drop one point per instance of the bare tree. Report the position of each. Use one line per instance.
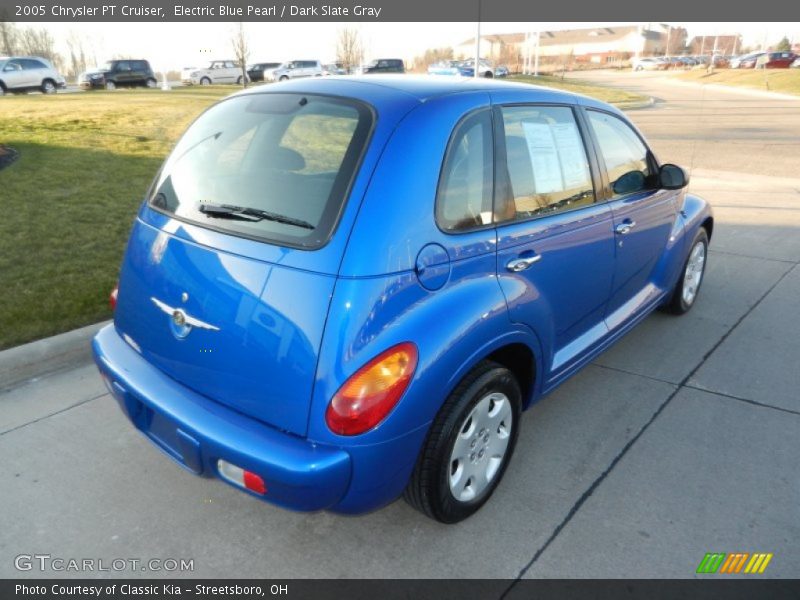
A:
(241, 50)
(349, 49)
(77, 53)
(38, 42)
(8, 38)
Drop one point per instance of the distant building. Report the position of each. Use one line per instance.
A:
(596, 45)
(721, 44)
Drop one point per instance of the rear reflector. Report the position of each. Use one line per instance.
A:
(238, 476)
(112, 298)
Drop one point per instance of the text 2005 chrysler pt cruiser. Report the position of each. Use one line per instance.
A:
(341, 291)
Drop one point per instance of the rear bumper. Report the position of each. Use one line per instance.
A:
(196, 432)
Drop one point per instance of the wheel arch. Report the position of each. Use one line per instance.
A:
(708, 225)
(520, 359)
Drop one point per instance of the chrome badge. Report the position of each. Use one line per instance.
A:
(180, 322)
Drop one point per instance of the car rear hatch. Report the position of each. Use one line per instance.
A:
(242, 332)
(205, 293)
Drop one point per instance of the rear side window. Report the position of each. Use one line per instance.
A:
(546, 161)
(275, 167)
(623, 152)
(464, 197)
(29, 63)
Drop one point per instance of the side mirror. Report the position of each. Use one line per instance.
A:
(630, 182)
(672, 177)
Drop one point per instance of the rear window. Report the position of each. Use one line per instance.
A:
(274, 167)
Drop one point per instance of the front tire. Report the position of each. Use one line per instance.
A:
(468, 446)
(284, 78)
(48, 86)
(684, 295)
(205, 81)
(151, 83)
(110, 85)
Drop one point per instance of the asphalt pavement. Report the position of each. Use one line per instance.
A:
(680, 440)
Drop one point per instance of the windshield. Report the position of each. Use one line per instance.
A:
(292, 156)
(106, 66)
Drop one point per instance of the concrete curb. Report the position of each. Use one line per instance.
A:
(638, 105)
(736, 89)
(35, 359)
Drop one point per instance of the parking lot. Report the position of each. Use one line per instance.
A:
(681, 440)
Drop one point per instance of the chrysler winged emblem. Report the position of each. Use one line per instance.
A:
(180, 321)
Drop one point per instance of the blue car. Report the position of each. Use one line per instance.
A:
(339, 291)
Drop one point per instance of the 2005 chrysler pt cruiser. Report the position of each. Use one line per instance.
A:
(340, 291)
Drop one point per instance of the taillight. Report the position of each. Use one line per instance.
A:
(112, 298)
(372, 392)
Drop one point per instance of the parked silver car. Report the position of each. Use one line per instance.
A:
(650, 63)
(294, 69)
(217, 71)
(28, 73)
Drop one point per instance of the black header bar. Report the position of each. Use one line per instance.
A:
(390, 11)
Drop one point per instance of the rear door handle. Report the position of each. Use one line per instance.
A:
(625, 227)
(520, 264)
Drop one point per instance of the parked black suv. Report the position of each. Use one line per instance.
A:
(385, 65)
(256, 71)
(119, 73)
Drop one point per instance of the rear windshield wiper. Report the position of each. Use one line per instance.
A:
(250, 214)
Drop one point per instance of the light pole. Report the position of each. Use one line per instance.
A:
(477, 43)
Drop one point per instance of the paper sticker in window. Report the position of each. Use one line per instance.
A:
(544, 157)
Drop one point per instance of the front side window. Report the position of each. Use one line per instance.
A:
(546, 160)
(275, 167)
(464, 197)
(625, 155)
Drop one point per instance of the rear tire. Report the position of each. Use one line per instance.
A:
(468, 446)
(151, 83)
(488, 75)
(684, 294)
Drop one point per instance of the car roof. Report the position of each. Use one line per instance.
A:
(419, 87)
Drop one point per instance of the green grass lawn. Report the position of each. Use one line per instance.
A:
(786, 81)
(67, 204)
(85, 162)
(603, 93)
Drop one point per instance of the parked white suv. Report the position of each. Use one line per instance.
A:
(294, 69)
(217, 71)
(27, 73)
